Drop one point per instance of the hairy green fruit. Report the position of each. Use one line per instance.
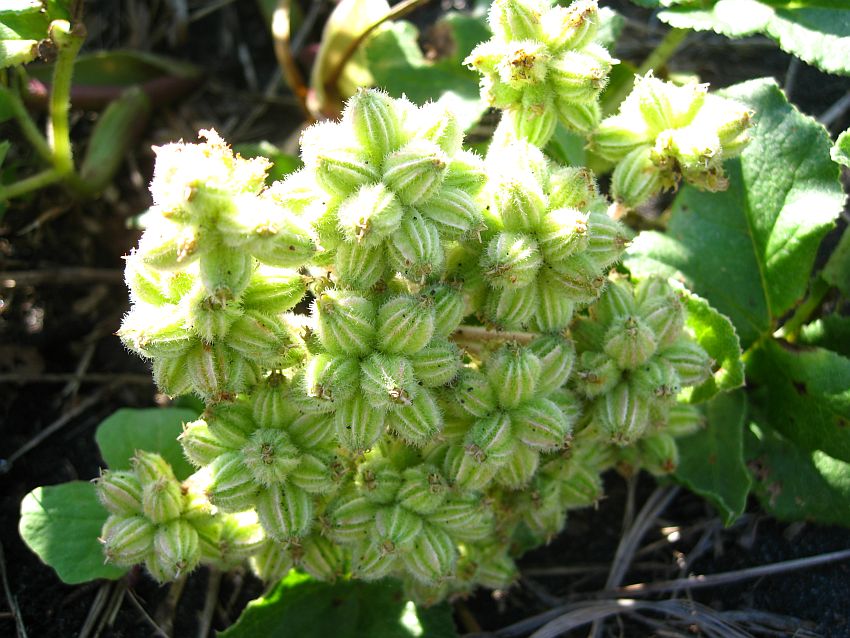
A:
(377, 434)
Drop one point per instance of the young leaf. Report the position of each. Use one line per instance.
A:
(841, 151)
(804, 393)
(152, 430)
(398, 65)
(750, 249)
(300, 606)
(831, 332)
(711, 461)
(716, 334)
(793, 484)
(61, 523)
(816, 32)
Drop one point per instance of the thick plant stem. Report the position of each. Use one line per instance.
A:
(655, 60)
(68, 41)
(27, 125)
(34, 182)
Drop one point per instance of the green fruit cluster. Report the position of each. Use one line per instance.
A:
(384, 190)
(213, 273)
(167, 525)
(354, 426)
(634, 360)
(664, 133)
(547, 245)
(542, 66)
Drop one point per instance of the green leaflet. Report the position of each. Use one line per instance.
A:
(804, 393)
(300, 606)
(711, 461)
(793, 484)
(61, 523)
(750, 249)
(818, 32)
(841, 151)
(716, 334)
(152, 430)
(398, 65)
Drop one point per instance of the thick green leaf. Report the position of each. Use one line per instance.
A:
(831, 332)
(61, 523)
(836, 272)
(711, 461)
(716, 334)
(841, 151)
(152, 430)
(750, 249)
(793, 484)
(818, 32)
(804, 393)
(398, 65)
(300, 606)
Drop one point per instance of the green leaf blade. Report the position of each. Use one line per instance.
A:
(793, 484)
(152, 430)
(840, 153)
(804, 393)
(301, 606)
(816, 32)
(716, 334)
(750, 249)
(711, 461)
(61, 524)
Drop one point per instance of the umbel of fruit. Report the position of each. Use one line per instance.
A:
(384, 189)
(543, 66)
(213, 273)
(664, 133)
(345, 432)
(548, 242)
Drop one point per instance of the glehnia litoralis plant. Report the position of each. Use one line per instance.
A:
(358, 438)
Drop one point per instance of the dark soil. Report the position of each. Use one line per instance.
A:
(57, 349)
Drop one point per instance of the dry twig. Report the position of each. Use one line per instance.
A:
(10, 598)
